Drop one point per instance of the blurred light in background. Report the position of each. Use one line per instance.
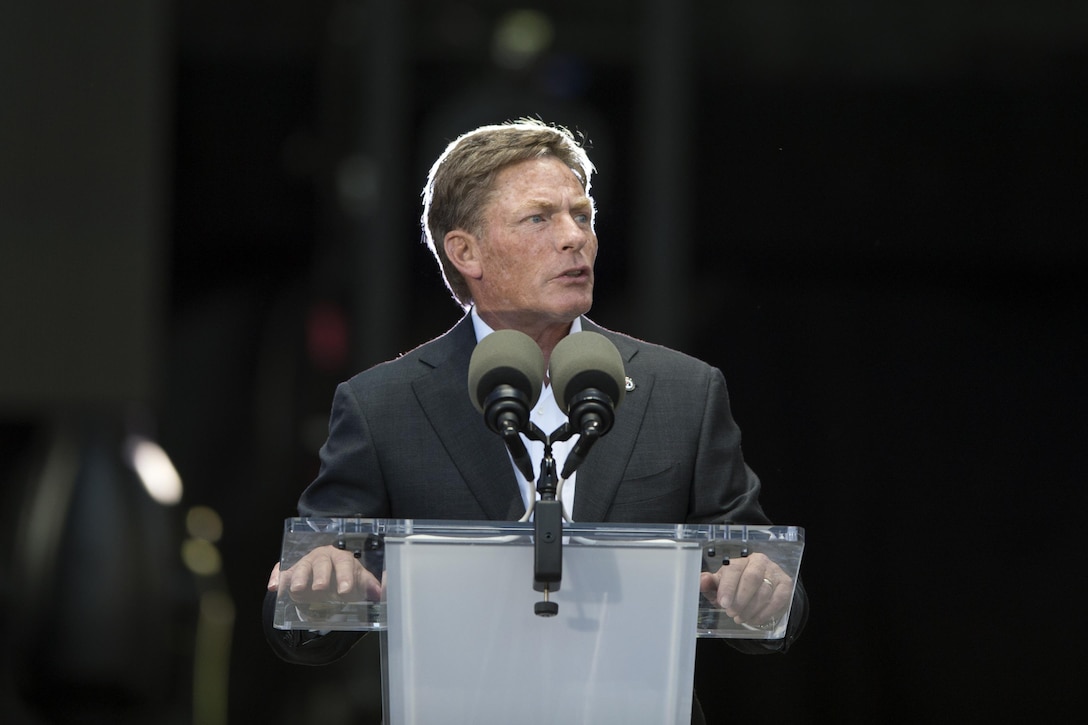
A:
(358, 181)
(521, 36)
(201, 557)
(211, 658)
(199, 552)
(203, 522)
(215, 623)
(327, 337)
(157, 473)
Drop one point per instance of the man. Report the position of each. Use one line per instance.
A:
(509, 217)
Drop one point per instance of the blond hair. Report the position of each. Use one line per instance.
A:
(459, 184)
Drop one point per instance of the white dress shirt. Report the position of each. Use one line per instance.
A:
(547, 415)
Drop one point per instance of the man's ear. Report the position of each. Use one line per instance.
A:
(463, 249)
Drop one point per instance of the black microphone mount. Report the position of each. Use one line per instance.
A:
(592, 414)
(506, 412)
(548, 522)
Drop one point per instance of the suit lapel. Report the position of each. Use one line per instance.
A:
(478, 454)
(600, 474)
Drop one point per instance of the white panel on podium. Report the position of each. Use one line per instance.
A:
(461, 642)
(466, 647)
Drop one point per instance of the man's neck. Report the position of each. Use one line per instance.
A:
(546, 335)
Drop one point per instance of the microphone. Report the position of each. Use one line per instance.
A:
(505, 375)
(587, 379)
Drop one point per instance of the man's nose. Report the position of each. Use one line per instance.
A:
(572, 235)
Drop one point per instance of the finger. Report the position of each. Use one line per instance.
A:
(776, 607)
(321, 569)
(755, 609)
(747, 582)
(366, 582)
(750, 590)
(740, 583)
(728, 579)
(274, 578)
(777, 601)
(708, 585)
(297, 578)
(772, 599)
(347, 572)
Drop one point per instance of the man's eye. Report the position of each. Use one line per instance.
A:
(536, 218)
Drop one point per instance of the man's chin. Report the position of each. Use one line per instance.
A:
(575, 311)
(577, 305)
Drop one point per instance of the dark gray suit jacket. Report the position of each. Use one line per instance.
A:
(406, 442)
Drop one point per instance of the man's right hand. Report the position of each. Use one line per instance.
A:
(326, 574)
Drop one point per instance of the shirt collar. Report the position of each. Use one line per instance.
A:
(483, 329)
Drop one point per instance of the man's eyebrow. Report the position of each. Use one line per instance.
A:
(537, 204)
(582, 202)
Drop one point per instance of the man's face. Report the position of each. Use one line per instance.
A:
(537, 246)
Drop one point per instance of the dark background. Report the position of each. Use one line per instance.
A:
(869, 215)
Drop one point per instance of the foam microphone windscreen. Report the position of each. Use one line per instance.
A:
(505, 357)
(586, 360)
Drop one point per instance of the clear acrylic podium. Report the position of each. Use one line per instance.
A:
(460, 642)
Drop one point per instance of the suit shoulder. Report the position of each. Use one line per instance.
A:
(663, 360)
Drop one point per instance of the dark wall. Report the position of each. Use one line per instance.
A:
(878, 238)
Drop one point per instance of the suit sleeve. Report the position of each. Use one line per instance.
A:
(727, 491)
(348, 484)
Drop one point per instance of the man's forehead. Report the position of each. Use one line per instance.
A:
(535, 179)
(525, 166)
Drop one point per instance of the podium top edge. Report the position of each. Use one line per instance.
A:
(408, 527)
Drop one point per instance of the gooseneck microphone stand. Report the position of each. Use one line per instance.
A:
(547, 515)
